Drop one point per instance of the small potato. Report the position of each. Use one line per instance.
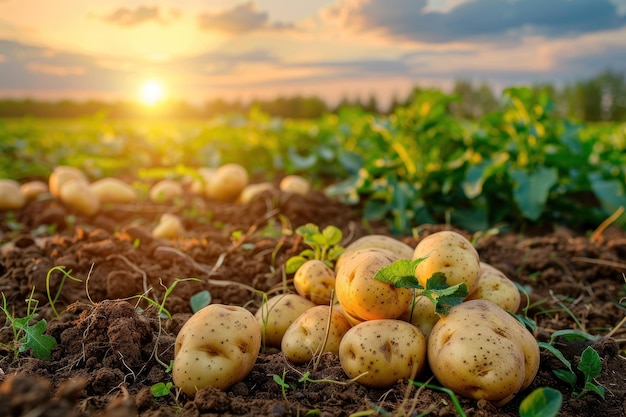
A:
(450, 253)
(170, 227)
(295, 184)
(482, 352)
(315, 281)
(113, 190)
(198, 184)
(277, 314)
(165, 191)
(227, 183)
(421, 314)
(11, 196)
(376, 241)
(494, 286)
(77, 195)
(60, 175)
(388, 350)
(304, 337)
(216, 347)
(252, 190)
(364, 297)
(33, 189)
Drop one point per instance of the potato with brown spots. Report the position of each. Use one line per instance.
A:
(276, 315)
(450, 253)
(216, 347)
(376, 241)
(315, 281)
(364, 297)
(388, 350)
(494, 286)
(305, 337)
(482, 352)
(421, 314)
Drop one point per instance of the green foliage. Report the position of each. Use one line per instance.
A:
(542, 402)
(161, 389)
(401, 273)
(324, 246)
(66, 274)
(200, 300)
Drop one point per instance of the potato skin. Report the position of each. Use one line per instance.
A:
(451, 253)
(314, 280)
(364, 297)
(165, 191)
(494, 286)
(305, 335)
(11, 196)
(480, 351)
(276, 315)
(421, 314)
(388, 350)
(61, 175)
(217, 347)
(76, 194)
(227, 183)
(296, 184)
(113, 190)
(400, 249)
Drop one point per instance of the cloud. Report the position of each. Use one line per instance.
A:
(477, 20)
(56, 70)
(126, 17)
(242, 18)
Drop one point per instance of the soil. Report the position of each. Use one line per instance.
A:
(113, 346)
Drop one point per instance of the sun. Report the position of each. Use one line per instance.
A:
(152, 92)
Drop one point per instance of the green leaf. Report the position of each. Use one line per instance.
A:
(571, 335)
(161, 389)
(400, 273)
(610, 193)
(542, 402)
(590, 363)
(589, 386)
(443, 296)
(332, 234)
(40, 343)
(200, 300)
(294, 263)
(531, 189)
(566, 376)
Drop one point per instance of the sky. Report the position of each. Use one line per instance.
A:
(199, 50)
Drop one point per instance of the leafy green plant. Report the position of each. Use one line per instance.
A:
(323, 245)
(542, 402)
(26, 333)
(200, 300)
(282, 382)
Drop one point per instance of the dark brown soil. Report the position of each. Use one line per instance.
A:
(112, 346)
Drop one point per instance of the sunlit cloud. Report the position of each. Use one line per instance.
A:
(56, 70)
(241, 18)
(127, 17)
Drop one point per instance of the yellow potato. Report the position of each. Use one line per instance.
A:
(61, 175)
(77, 195)
(216, 347)
(315, 281)
(494, 286)
(376, 241)
(33, 189)
(11, 196)
(450, 253)
(421, 314)
(305, 336)
(227, 183)
(113, 190)
(388, 350)
(165, 191)
(364, 297)
(277, 314)
(170, 227)
(295, 184)
(198, 184)
(482, 352)
(252, 190)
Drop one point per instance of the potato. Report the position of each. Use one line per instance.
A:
(388, 350)
(77, 195)
(364, 297)
(216, 347)
(395, 246)
(33, 189)
(61, 175)
(113, 190)
(227, 183)
(494, 286)
(165, 191)
(421, 314)
(315, 281)
(304, 337)
(295, 184)
(252, 190)
(11, 196)
(277, 314)
(482, 352)
(450, 253)
(198, 185)
(170, 227)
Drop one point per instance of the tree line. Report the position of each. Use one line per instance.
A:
(601, 98)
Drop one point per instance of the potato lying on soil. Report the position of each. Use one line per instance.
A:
(197, 185)
(227, 183)
(494, 286)
(252, 190)
(113, 190)
(388, 350)
(452, 254)
(482, 352)
(295, 184)
(315, 281)
(421, 314)
(62, 174)
(216, 347)
(77, 195)
(304, 338)
(11, 196)
(165, 191)
(400, 249)
(276, 315)
(170, 226)
(364, 297)
(33, 189)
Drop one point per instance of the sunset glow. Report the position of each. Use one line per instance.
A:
(152, 92)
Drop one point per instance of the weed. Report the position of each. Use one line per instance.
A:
(281, 381)
(542, 402)
(324, 246)
(53, 300)
(161, 310)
